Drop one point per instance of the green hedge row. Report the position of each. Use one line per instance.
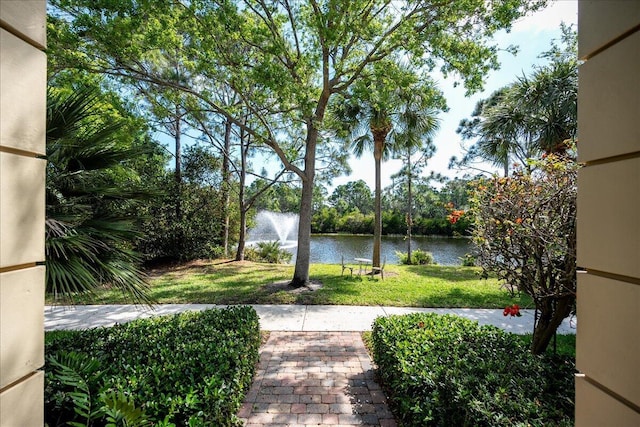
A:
(190, 369)
(449, 371)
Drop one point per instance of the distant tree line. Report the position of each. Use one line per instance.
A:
(349, 209)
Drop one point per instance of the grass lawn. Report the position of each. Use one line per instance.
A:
(565, 344)
(223, 282)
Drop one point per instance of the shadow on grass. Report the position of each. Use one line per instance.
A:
(218, 282)
(250, 283)
(462, 298)
(224, 282)
(449, 273)
(334, 289)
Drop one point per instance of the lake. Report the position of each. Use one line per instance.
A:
(327, 249)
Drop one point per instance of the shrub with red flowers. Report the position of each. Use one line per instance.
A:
(525, 233)
(455, 215)
(512, 310)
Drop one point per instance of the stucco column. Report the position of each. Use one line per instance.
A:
(22, 181)
(608, 336)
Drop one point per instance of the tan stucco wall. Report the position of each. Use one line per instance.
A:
(608, 340)
(22, 172)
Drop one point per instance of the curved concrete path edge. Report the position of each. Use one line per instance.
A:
(302, 318)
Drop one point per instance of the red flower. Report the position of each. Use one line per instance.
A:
(454, 216)
(513, 310)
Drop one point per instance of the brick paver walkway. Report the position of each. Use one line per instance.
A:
(315, 378)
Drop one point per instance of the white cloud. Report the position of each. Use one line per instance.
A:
(550, 17)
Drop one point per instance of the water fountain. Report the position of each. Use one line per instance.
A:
(329, 249)
(271, 226)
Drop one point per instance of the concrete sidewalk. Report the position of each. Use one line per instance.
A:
(300, 318)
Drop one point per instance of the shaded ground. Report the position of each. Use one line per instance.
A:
(183, 270)
(283, 285)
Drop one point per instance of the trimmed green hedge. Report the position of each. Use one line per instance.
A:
(449, 371)
(190, 369)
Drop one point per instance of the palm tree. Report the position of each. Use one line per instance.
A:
(549, 102)
(495, 144)
(390, 108)
(88, 234)
(536, 114)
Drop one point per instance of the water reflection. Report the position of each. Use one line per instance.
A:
(328, 249)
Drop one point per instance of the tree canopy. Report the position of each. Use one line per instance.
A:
(283, 60)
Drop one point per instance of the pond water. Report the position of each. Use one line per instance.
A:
(327, 249)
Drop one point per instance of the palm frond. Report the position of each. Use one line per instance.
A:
(68, 113)
(87, 243)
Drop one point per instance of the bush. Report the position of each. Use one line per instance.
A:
(469, 260)
(196, 234)
(270, 252)
(418, 257)
(449, 371)
(441, 227)
(187, 369)
(525, 233)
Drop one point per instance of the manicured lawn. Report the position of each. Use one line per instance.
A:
(222, 282)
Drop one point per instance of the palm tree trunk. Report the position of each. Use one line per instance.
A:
(378, 147)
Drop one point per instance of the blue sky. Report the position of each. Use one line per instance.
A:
(533, 35)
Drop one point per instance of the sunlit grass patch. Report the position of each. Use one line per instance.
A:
(226, 282)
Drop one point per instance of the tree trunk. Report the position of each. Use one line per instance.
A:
(303, 256)
(409, 207)
(243, 229)
(242, 235)
(178, 170)
(379, 136)
(551, 314)
(226, 185)
(301, 273)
